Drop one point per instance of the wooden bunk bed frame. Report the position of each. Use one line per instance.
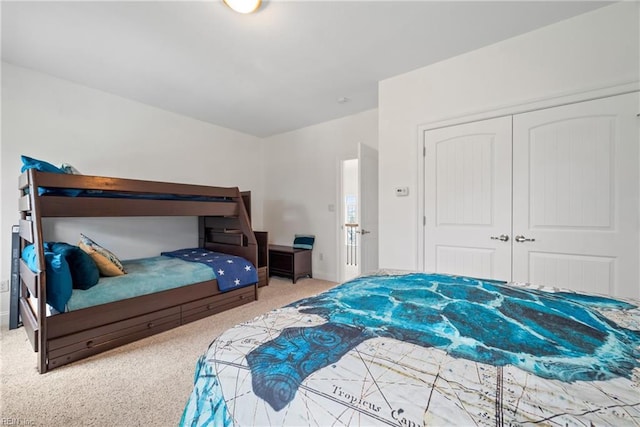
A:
(70, 336)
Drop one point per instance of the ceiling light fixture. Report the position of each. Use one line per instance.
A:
(243, 6)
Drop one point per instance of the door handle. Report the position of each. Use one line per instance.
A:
(363, 231)
(502, 237)
(521, 239)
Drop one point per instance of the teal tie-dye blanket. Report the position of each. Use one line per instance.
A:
(426, 349)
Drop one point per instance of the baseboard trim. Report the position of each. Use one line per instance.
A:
(4, 319)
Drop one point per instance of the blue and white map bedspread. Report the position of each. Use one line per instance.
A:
(231, 271)
(425, 349)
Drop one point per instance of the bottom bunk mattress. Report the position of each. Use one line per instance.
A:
(424, 349)
(167, 271)
(160, 273)
(144, 276)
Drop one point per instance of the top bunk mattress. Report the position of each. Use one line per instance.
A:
(68, 182)
(144, 276)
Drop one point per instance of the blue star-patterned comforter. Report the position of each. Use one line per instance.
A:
(427, 349)
(231, 271)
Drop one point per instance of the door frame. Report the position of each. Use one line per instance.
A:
(490, 113)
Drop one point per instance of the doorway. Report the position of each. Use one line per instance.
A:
(358, 231)
(349, 225)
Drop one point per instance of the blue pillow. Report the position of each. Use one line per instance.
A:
(42, 166)
(29, 256)
(84, 271)
(304, 241)
(59, 282)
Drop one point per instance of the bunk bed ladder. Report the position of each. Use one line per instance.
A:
(33, 283)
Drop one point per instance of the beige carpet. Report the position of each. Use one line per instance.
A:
(145, 383)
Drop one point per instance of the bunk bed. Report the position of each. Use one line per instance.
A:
(72, 335)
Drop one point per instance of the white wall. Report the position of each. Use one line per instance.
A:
(592, 51)
(302, 180)
(102, 134)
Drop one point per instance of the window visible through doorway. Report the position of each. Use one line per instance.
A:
(351, 228)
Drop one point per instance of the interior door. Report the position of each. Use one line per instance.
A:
(468, 199)
(575, 187)
(368, 207)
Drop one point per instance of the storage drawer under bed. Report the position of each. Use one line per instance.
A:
(216, 304)
(79, 345)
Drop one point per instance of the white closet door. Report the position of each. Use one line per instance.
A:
(575, 191)
(468, 199)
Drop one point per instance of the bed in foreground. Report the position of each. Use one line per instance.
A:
(424, 349)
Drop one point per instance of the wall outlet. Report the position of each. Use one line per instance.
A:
(401, 191)
(321, 256)
(4, 286)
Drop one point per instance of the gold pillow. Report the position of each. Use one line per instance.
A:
(108, 264)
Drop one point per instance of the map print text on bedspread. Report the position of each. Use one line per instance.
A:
(552, 335)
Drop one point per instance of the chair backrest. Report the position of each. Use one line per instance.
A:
(304, 241)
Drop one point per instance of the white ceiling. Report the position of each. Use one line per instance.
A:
(280, 69)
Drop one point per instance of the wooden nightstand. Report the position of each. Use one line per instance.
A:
(289, 262)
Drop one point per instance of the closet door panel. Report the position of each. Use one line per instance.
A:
(468, 199)
(575, 194)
